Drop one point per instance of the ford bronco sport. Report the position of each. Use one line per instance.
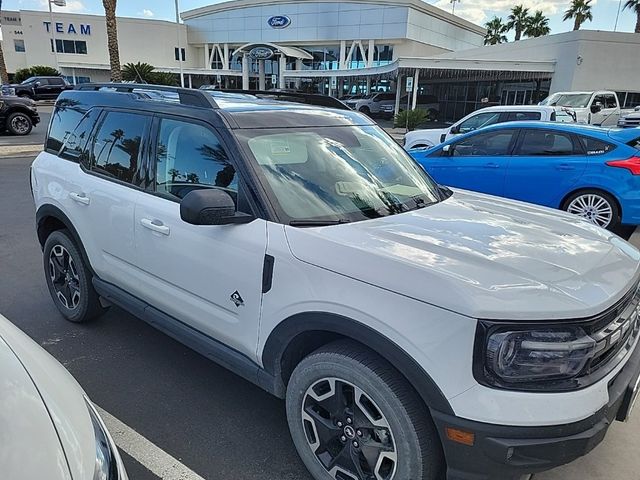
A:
(414, 331)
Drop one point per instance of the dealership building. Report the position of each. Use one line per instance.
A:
(332, 47)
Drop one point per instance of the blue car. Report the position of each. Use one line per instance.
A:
(588, 171)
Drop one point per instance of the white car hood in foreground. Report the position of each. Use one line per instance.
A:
(42, 409)
(481, 256)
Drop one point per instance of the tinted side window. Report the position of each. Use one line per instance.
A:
(478, 121)
(523, 116)
(485, 144)
(541, 142)
(56, 81)
(593, 146)
(74, 147)
(610, 101)
(189, 156)
(117, 146)
(64, 120)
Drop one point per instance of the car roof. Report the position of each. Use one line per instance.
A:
(239, 111)
(518, 108)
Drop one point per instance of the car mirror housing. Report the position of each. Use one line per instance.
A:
(596, 107)
(211, 206)
(455, 130)
(447, 150)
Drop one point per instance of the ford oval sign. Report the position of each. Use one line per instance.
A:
(261, 53)
(279, 21)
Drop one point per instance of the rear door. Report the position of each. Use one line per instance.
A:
(56, 85)
(546, 165)
(477, 162)
(42, 88)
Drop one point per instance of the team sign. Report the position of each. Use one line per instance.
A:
(69, 28)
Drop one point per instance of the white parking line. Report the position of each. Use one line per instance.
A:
(154, 459)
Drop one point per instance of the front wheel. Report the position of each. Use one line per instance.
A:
(19, 123)
(352, 416)
(597, 206)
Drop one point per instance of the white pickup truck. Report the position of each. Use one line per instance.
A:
(601, 108)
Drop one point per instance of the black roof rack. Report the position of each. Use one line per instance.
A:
(287, 96)
(187, 96)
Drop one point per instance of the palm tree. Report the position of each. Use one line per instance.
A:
(4, 76)
(538, 25)
(112, 39)
(175, 173)
(117, 135)
(518, 19)
(635, 6)
(495, 32)
(580, 11)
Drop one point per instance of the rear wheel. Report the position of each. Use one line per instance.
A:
(365, 110)
(352, 416)
(597, 206)
(19, 123)
(69, 279)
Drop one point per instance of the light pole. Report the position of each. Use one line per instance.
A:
(179, 44)
(59, 3)
(453, 6)
(615, 28)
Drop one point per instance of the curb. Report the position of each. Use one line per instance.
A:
(20, 150)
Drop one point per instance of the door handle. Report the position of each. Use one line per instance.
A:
(565, 166)
(491, 165)
(79, 198)
(155, 225)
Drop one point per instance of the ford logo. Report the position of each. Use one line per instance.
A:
(279, 21)
(261, 53)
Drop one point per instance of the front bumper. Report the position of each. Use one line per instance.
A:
(509, 453)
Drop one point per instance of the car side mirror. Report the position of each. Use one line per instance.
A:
(447, 150)
(596, 107)
(211, 206)
(37, 84)
(455, 130)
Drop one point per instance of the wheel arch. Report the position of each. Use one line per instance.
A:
(50, 218)
(303, 333)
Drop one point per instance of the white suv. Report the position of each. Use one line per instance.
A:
(413, 330)
(483, 118)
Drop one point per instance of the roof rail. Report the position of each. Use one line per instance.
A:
(187, 96)
(286, 96)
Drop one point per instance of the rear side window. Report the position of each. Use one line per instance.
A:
(545, 142)
(523, 116)
(593, 146)
(64, 120)
(74, 147)
(117, 146)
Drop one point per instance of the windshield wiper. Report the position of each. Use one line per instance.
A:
(310, 222)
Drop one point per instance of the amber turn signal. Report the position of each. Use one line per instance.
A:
(460, 436)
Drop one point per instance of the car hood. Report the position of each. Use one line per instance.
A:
(481, 256)
(30, 445)
(51, 398)
(431, 136)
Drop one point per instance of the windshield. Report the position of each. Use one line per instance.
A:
(28, 80)
(579, 100)
(337, 174)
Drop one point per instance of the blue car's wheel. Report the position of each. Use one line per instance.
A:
(596, 206)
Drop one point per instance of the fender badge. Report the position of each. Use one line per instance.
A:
(236, 299)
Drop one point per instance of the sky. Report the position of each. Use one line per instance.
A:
(477, 11)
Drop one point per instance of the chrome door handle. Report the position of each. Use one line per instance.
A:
(155, 225)
(79, 198)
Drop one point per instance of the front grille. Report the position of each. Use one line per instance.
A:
(615, 332)
(629, 122)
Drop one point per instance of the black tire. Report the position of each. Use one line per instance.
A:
(86, 305)
(19, 123)
(571, 205)
(365, 110)
(411, 434)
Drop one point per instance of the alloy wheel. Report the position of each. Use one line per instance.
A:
(20, 124)
(64, 277)
(593, 207)
(347, 432)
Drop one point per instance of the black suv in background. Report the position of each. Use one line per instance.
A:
(18, 116)
(42, 88)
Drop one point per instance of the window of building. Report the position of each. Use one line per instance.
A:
(177, 53)
(116, 147)
(544, 142)
(18, 45)
(70, 46)
(189, 156)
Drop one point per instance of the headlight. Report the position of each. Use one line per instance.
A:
(106, 463)
(532, 358)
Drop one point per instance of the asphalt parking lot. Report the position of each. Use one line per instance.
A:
(184, 417)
